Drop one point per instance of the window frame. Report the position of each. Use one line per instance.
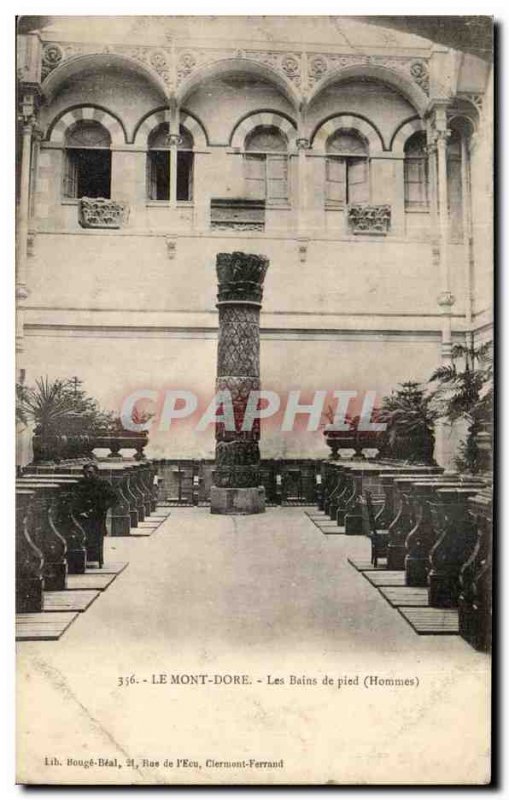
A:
(416, 206)
(348, 161)
(73, 199)
(267, 158)
(191, 170)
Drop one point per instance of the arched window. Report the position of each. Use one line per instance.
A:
(416, 172)
(266, 165)
(87, 155)
(454, 185)
(185, 164)
(159, 165)
(347, 175)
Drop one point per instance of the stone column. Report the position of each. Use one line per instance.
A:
(236, 487)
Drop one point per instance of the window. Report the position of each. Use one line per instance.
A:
(454, 184)
(159, 165)
(266, 165)
(416, 172)
(185, 165)
(346, 169)
(87, 170)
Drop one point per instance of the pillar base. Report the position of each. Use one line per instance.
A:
(237, 501)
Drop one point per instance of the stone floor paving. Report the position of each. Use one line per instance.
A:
(267, 597)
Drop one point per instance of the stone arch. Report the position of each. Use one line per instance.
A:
(72, 66)
(403, 133)
(155, 118)
(351, 122)
(273, 118)
(59, 127)
(397, 80)
(229, 66)
(195, 128)
(148, 124)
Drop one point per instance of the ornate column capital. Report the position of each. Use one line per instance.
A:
(441, 137)
(174, 139)
(37, 132)
(240, 277)
(302, 143)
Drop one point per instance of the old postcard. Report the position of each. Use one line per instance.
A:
(254, 348)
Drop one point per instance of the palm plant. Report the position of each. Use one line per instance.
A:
(54, 405)
(465, 394)
(410, 420)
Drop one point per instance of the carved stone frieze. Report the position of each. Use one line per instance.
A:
(98, 212)
(302, 70)
(237, 214)
(322, 63)
(368, 218)
(237, 226)
(289, 64)
(157, 59)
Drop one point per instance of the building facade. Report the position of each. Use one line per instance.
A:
(359, 163)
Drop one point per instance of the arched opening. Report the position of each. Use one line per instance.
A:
(266, 165)
(87, 154)
(159, 165)
(416, 173)
(347, 169)
(454, 184)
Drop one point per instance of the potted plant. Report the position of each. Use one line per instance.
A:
(464, 391)
(410, 418)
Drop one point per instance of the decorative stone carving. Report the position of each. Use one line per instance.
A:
(237, 214)
(237, 226)
(156, 59)
(174, 139)
(31, 245)
(171, 247)
(474, 98)
(446, 299)
(290, 66)
(303, 250)
(371, 219)
(185, 65)
(240, 290)
(52, 55)
(419, 73)
(97, 212)
(322, 63)
(318, 66)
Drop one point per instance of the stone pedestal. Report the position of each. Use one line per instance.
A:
(237, 501)
(237, 488)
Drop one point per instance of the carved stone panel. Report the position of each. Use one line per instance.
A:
(369, 219)
(98, 212)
